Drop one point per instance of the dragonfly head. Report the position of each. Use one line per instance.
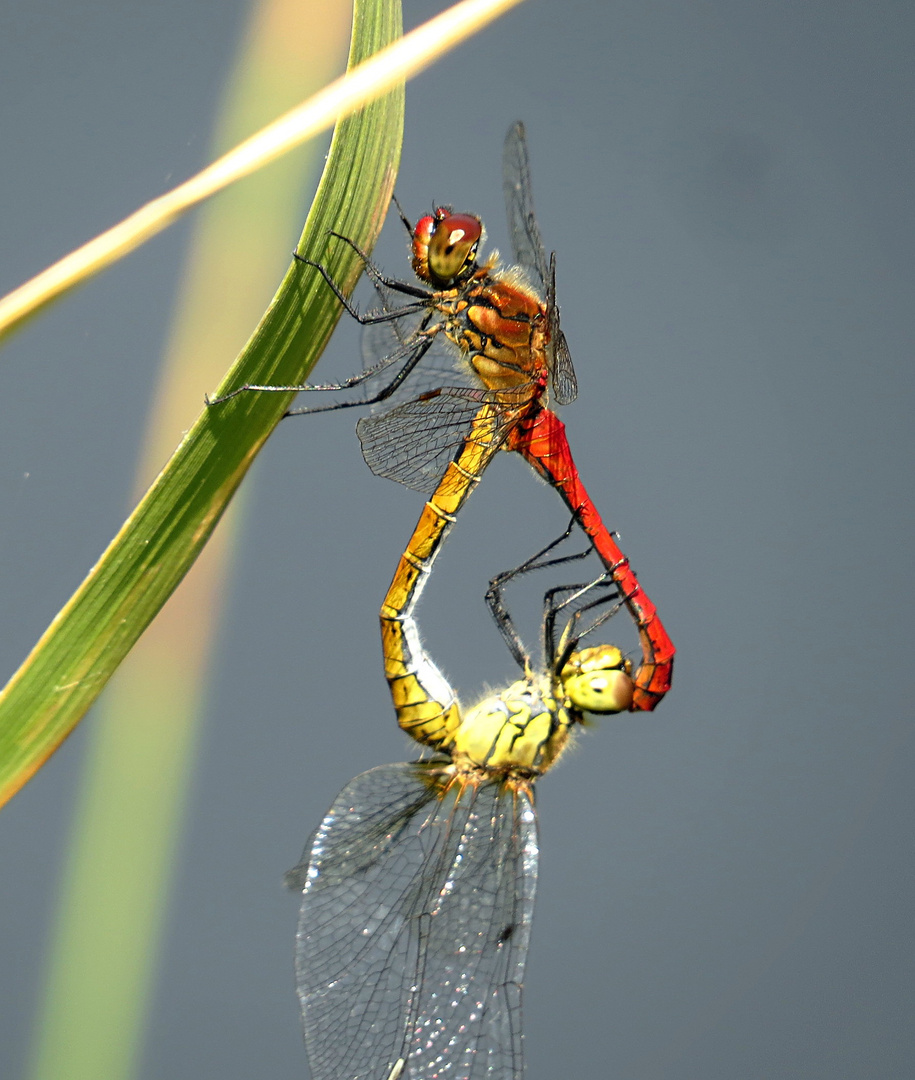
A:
(598, 680)
(445, 247)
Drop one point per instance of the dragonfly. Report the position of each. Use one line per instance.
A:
(418, 886)
(502, 326)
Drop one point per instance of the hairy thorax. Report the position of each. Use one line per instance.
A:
(525, 727)
(501, 327)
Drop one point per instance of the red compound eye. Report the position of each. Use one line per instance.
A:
(445, 246)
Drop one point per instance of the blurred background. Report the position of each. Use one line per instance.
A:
(725, 885)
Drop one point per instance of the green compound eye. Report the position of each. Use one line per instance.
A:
(597, 680)
(609, 692)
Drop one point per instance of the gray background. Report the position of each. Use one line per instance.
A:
(726, 885)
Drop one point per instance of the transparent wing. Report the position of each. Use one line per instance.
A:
(415, 924)
(414, 442)
(442, 363)
(527, 243)
(562, 373)
(382, 338)
(530, 254)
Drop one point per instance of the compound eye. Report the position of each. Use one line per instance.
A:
(453, 247)
(423, 230)
(606, 692)
(598, 680)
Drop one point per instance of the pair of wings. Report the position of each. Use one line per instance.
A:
(418, 893)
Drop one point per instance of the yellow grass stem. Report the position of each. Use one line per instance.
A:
(359, 86)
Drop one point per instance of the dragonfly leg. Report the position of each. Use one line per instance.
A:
(403, 217)
(570, 638)
(494, 595)
(379, 278)
(410, 359)
(422, 301)
(420, 349)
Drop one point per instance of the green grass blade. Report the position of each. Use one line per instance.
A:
(112, 901)
(154, 549)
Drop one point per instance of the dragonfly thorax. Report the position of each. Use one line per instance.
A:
(445, 247)
(523, 727)
(504, 332)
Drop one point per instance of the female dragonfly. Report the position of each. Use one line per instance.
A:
(418, 886)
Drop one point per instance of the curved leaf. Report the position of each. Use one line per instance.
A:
(155, 547)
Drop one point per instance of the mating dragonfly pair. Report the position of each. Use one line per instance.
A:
(419, 884)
